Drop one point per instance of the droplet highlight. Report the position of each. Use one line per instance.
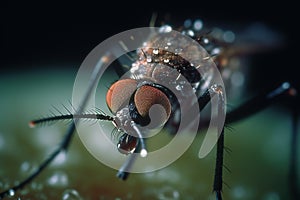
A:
(71, 194)
(11, 193)
(58, 179)
(168, 193)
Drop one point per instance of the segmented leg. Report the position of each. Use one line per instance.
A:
(261, 101)
(68, 137)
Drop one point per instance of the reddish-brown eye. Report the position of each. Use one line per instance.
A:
(147, 98)
(119, 93)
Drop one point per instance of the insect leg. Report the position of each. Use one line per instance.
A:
(260, 102)
(203, 100)
(293, 157)
(62, 147)
(67, 138)
(123, 172)
(218, 178)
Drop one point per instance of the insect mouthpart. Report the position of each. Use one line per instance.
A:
(128, 143)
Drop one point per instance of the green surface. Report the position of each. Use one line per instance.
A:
(258, 160)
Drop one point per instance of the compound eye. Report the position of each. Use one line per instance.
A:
(152, 102)
(127, 144)
(119, 93)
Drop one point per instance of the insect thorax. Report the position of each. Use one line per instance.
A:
(174, 62)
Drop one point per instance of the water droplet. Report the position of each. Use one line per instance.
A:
(60, 158)
(285, 85)
(215, 51)
(155, 51)
(149, 59)
(168, 193)
(11, 192)
(271, 196)
(228, 36)
(177, 51)
(169, 175)
(187, 23)
(143, 153)
(71, 194)
(190, 33)
(24, 192)
(205, 40)
(198, 24)
(240, 192)
(36, 186)
(178, 87)
(27, 168)
(58, 179)
(165, 29)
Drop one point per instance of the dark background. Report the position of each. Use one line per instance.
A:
(42, 34)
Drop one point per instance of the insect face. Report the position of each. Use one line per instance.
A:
(132, 102)
(165, 76)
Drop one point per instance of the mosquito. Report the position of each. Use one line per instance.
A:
(130, 99)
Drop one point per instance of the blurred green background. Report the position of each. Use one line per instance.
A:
(42, 47)
(258, 160)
